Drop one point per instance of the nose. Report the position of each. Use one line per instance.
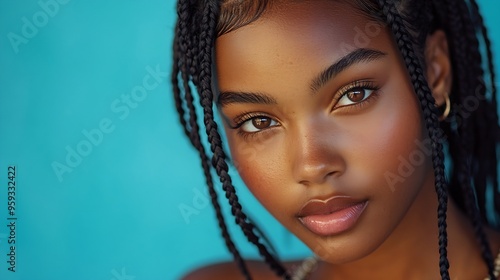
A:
(315, 155)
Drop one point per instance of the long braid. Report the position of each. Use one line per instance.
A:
(464, 178)
(468, 76)
(430, 117)
(213, 194)
(457, 45)
(489, 53)
(467, 67)
(206, 42)
(175, 83)
(193, 132)
(492, 111)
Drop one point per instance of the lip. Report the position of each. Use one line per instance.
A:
(332, 216)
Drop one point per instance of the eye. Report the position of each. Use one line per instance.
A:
(354, 95)
(257, 124)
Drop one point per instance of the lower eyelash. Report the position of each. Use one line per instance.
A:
(247, 136)
(360, 105)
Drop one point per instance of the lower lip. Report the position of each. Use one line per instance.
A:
(336, 222)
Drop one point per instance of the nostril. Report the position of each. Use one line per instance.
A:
(319, 176)
(305, 183)
(316, 160)
(331, 174)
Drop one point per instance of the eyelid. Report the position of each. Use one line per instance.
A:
(239, 120)
(356, 84)
(364, 83)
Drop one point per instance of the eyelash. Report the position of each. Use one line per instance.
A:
(245, 117)
(359, 84)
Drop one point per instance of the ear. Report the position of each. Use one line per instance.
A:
(437, 59)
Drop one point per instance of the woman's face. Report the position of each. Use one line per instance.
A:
(321, 120)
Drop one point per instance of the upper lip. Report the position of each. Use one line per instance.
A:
(327, 206)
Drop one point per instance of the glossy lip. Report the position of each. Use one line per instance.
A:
(332, 216)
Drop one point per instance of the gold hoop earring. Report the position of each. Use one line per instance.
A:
(447, 110)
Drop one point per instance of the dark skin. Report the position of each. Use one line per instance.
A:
(339, 138)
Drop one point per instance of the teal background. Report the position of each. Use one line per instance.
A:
(115, 213)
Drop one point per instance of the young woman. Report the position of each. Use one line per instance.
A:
(338, 116)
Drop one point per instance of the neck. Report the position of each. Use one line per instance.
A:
(412, 251)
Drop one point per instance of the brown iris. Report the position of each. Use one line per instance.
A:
(261, 122)
(356, 95)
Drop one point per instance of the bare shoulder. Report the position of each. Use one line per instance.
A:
(229, 270)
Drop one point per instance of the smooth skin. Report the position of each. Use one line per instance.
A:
(294, 138)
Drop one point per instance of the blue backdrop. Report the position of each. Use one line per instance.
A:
(106, 186)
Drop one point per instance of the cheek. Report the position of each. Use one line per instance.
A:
(404, 131)
(386, 157)
(387, 140)
(262, 166)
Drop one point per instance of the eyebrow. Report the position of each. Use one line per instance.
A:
(229, 97)
(357, 56)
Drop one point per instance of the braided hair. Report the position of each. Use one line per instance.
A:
(471, 132)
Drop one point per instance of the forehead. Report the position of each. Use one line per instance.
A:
(293, 39)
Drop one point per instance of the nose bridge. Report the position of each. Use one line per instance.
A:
(315, 153)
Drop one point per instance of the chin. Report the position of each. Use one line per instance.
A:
(341, 250)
